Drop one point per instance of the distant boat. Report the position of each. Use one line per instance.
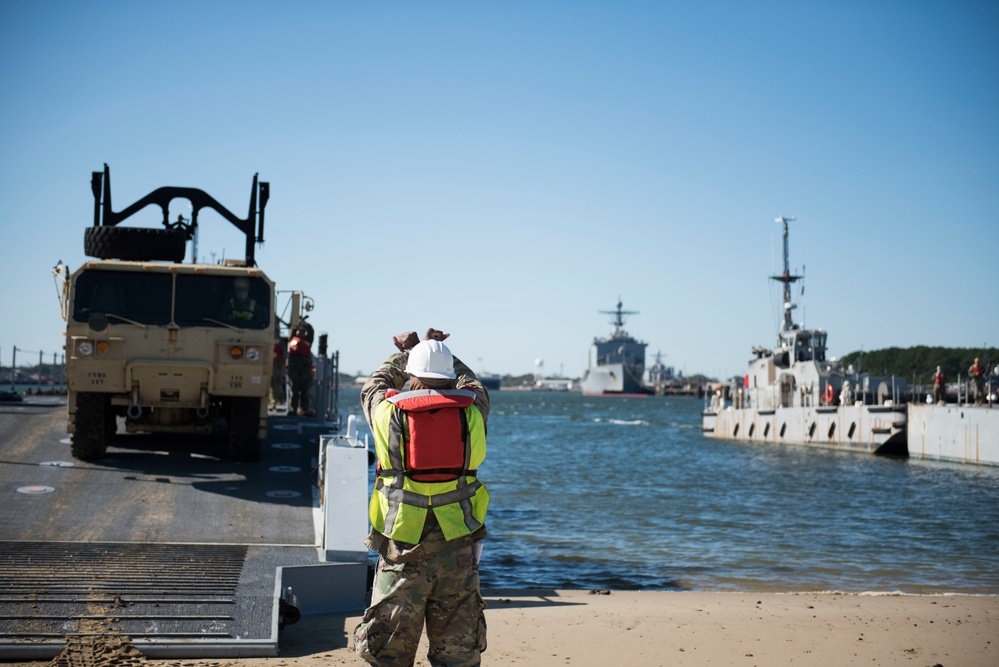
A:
(793, 394)
(617, 362)
(491, 380)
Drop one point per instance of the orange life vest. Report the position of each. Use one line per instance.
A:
(434, 429)
(299, 347)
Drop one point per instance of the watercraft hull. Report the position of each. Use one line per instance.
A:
(491, 382)
(860, 428)
(611, 379)
(960, 433)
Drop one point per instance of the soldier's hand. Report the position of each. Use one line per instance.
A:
(405, 341)
(435, 334)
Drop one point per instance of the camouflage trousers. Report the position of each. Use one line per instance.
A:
(278, 382)
(440, 592)
(300, 377)
(978, 391)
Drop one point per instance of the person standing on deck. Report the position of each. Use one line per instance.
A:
(939, 387)
(977, 374)
(428, 508)
(300, 371)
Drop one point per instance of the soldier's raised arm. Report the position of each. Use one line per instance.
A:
(390, 375)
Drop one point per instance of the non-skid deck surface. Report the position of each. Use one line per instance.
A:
(164, 541)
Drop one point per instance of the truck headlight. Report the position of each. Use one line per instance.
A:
(253, 354)
(85, 348)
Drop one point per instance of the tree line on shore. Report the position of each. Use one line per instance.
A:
(920, 362)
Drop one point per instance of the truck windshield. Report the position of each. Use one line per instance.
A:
(222, 300)
(141, 297)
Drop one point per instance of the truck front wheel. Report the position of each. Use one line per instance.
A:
(90, 441)
(244, 429)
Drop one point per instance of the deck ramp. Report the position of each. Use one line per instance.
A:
(202, 580)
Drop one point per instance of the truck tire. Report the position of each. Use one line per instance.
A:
(90, 441)
(135, 243)
(244, 429)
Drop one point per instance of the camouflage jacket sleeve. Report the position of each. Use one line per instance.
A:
(390, 375)
(466, 379)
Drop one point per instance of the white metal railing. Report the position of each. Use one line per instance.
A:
(56, 371)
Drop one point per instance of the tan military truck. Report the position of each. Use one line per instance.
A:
(167, 347)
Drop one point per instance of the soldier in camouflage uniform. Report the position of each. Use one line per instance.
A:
(432, 581)
(300, 371)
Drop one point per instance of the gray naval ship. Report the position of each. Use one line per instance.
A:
(794, 394)
(617, 362)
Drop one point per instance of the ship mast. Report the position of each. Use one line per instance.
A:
(618, 320)
(787, 279)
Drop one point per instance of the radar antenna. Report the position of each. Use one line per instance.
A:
(619, 314)
(786, 278)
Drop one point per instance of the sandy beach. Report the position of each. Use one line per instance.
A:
(611, 628)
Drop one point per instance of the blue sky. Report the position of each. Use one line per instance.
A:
(505, 171)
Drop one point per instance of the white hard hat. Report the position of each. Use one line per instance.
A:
(431, 359)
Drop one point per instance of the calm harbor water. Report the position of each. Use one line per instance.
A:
(625, 493)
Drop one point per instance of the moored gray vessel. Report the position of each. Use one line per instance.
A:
(794, 394)
(617, 361)
(491, 381)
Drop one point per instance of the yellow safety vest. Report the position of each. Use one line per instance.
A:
(241, 311)
(429, 444)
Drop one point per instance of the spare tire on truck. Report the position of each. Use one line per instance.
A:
(135, 243)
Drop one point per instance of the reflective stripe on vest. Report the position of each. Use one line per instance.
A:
(397, 497)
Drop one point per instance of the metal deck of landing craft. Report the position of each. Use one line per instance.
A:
(172, 546)
(954, 432)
